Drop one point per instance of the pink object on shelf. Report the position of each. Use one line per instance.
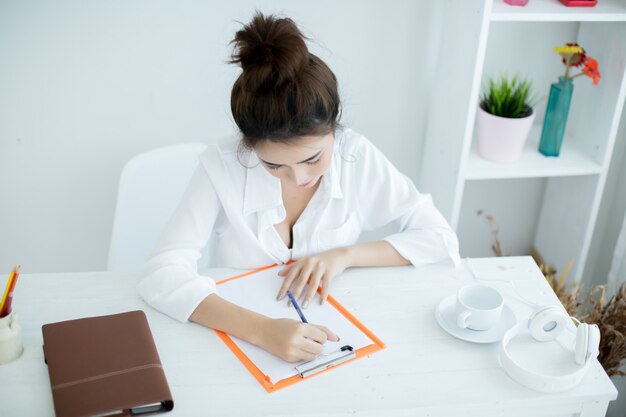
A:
(516, 2)
(579, 3)
(501, 139)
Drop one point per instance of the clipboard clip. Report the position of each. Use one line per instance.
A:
(326, 361)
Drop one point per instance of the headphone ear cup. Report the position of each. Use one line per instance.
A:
(594, 341)
(581, 346)
(547, 323)
(593, 348)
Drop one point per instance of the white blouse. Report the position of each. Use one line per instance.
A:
(233, 199)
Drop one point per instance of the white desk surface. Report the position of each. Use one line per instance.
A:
(423, 371)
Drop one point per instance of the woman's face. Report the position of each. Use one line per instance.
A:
(299, 163)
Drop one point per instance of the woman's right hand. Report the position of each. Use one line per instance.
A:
(293, 340)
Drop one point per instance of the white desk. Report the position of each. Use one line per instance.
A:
(423, 371)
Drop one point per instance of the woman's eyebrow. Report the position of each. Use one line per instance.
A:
(269, 163)
(301, 162)
(311, 158)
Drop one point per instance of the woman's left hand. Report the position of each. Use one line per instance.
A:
(311, 270)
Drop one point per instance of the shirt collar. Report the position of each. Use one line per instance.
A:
(334, 173)
(262, 190)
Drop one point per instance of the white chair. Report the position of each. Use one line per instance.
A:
(151, 186)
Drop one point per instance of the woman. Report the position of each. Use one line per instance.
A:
(297, 187)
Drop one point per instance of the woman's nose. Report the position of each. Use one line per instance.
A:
(299, 176)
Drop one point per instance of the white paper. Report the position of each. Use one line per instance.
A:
(257, 292)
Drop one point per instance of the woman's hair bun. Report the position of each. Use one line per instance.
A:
(284, 92)
(271, 51)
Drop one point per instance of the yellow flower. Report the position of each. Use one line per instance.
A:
(568, 49)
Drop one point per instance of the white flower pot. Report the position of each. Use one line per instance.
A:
(501, 139)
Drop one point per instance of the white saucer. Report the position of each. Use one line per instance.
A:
(447, 320)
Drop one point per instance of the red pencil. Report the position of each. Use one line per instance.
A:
(6, 307)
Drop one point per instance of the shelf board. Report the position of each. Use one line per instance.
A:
(555, 11)
(571, 162)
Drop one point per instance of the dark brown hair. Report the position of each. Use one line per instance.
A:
(284, 91)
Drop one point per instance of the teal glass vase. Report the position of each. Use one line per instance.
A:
(556, 117)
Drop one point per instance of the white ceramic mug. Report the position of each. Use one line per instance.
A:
(11, 346)
(478, 307)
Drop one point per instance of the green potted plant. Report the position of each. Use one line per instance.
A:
(504, 118)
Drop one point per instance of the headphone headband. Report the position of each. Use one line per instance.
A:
(533, 380)
(544, 325)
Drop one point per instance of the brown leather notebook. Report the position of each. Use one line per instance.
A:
(105, 365)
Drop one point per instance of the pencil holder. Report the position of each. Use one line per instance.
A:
(11, 346)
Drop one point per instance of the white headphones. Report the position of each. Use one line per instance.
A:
(544, 325)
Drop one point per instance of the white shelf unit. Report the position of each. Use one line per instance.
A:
(555, 11)
(546, 202)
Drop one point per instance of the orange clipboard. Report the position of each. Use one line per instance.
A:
(265, 380)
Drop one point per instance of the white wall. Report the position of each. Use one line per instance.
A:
(86, 85)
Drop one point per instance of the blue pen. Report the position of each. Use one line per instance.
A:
(295, 304)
